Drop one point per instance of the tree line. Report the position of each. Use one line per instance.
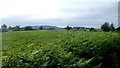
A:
(106, 27)
(79, 28)
(4, 28)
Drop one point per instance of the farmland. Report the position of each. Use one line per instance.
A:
(60, 49)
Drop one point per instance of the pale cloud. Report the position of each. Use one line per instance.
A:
(45, 8)
(58, 12)
(42, 8)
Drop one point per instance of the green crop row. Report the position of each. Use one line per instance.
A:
(60, 49)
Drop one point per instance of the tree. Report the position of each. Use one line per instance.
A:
(28, 28)
(4, 28)
(118, 29)
(9, 28)
(16, 28)
(105, 27)
(68, 28)
(40, 28)
(92, 29)
(112, 27)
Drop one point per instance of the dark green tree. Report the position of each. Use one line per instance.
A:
(28, 28)
(105, 27)
(16, 28)
(9, 28)
(4, 28)
(118, 29)
(112, 27)
(40, 28)
(68, 28)
(92, 29)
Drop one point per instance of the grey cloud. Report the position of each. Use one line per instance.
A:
(96, 16)
(93, 15)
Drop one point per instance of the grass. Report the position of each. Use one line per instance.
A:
(60, 48)
(0, 49)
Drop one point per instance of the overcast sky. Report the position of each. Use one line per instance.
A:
(89, 13)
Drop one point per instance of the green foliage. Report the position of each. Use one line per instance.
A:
(68, 28)
(61, 49)
(92, 29)
(118, 29)
(41, 28)
(112, 27)
(10, 28)
(16, 28)
(105, 26)
(28, 28)
(4, 28)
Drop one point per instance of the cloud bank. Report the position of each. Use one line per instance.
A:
(60, 13)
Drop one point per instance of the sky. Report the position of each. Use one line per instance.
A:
(87, 13)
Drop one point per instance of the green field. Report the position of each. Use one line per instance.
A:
(60, 49)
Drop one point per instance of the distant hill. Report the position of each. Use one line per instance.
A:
(46, 27)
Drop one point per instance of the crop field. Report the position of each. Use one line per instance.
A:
(60, 49)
